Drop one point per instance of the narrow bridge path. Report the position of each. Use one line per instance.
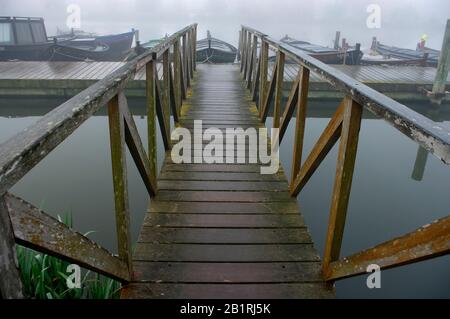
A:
(223, 230)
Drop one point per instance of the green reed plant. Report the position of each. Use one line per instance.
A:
(44, 277)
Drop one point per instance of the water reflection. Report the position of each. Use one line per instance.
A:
(386, 201)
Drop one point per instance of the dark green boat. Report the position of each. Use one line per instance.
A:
(212, 50)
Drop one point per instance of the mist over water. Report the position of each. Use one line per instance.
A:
(402, 21)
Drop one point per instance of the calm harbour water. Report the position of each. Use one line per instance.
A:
(386, 200)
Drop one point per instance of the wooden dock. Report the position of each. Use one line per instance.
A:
(70, 78)
(211, 230)
(224, 231)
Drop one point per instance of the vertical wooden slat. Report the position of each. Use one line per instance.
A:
(185, 63)
(119, 171)
(264, 56)
(191, 55)
(166, 89)
(240, 48)
(151, 113)
(243, 50)
(300, 121)
(256, 80)
(194, 43)
(278, 89)
(443, 66)
(11, 286)
(343, 180)
(172, 97)
(177, 75)
(251, 71)
(248, 54)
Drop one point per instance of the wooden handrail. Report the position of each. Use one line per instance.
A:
(425, 243)
(19, 220)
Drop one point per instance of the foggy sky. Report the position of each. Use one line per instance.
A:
(402, 21)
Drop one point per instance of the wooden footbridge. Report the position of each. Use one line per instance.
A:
(220, 229)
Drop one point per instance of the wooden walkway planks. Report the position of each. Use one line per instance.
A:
(224, 230)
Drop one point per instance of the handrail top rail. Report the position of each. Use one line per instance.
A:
(429, 134)
(24, 150)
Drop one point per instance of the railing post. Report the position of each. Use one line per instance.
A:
(185, 63)
(443, 65)
(11, 286)
(300, 122)
(264, 56)
(247, 54)
(119, 171)
(251, 70)
(243, 50)
(278, 89)
(191, 55)
(177, 75)
(151, 114)
(195, 48)
(166, 89)
(343, 180)
(240, 48)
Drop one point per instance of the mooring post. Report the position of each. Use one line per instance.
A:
(336, 40)
(443, 66)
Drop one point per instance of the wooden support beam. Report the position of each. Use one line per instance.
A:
(248, 53)
(172, 97)
(443, 65)
(195, 48)
(243, 50)
(290, 106)
(177, 77)
(278, 89)
(300, 121)
(39, 231)
(136, 148)
(343, 181)
(161, 117)
(427, 242)
(320, 150)
(119, 172)
(166, 89)
(151, 74)
(251, 73)
(264, 57)
(11, 286)
(269, 95)
(186, 63)
(256, 80)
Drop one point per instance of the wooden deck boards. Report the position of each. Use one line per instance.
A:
(224, 230)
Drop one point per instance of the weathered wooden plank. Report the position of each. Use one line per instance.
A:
(427, 242)
(120, 182)
(11, 286)
(224, 235)
(137, 149)
(257, 273)
(223, 221)
(269, 186)
(37, 230)
(300, 122)
(343, 181)
(218, 176)
(180, 207)
(278, 89)
(151, 114)
(223, 196)
(225, 253)
(228, 291)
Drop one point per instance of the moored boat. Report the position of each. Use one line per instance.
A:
(422, 55)
(212, 50)
(26, 39)
(327, 55)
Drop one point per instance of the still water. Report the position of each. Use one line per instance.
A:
(397, 187)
